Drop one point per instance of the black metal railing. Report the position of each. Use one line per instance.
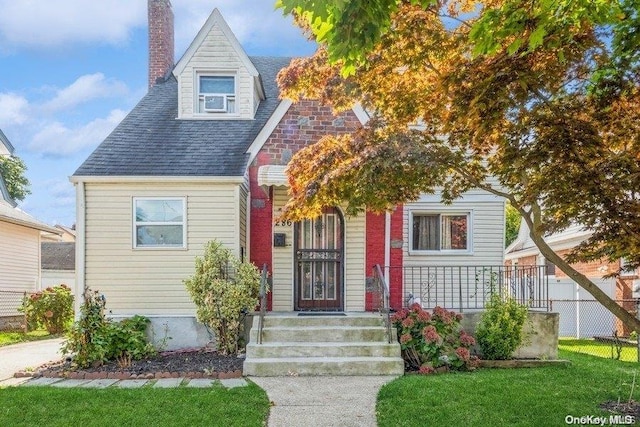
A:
(263, 301)
(385, 295)
(471, 287)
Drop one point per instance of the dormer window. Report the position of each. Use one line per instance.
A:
(216, 94)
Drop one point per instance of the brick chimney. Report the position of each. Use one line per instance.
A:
(160, 39)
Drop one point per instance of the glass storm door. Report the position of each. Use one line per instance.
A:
(319, 262)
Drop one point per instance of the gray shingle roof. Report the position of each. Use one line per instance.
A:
(151, 141)
(58, 256)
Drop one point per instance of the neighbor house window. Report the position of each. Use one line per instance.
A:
(159, 222)
(216, 94)
(440, 232)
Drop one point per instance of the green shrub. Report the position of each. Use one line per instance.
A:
(223, 289)
(499, 332)
(51, 309)
(433, 342)
(94, 339)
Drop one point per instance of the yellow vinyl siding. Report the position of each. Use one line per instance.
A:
(216, 54)
(282, 258)
(19, 257)
(144, 280)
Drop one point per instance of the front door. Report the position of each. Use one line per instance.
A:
(319, 262)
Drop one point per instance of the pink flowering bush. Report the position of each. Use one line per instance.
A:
(51, 309)
(433, 342)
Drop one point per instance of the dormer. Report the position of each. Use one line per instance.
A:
(216, 78)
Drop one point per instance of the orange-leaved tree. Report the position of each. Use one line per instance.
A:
(536, 102)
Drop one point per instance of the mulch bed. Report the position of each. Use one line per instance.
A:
(624, 408)
(192, 363)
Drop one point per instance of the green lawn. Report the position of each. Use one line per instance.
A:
(508, 397)
(216, 406)
(598, 348)
(8, 338)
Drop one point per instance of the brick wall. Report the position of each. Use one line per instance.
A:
(304, 124)
(161, 44)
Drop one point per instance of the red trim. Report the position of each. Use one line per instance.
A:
(397, 258)
(375, 225)
(261, 221)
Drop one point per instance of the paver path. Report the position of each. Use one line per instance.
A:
(322, 401)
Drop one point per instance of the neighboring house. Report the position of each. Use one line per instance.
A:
(58, 264)
(67, 234)
(202, 157)
(564, 293)
(20, 237)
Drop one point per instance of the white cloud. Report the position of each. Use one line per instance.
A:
(85, 88)
(44, 24)
(59, 140)
(62, 192)
(13, 109)
(254, 23)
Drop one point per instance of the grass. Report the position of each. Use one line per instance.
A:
(508, 397)
(596, 348)
(8, 338)
(216, 406)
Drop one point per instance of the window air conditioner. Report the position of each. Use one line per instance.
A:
(215, 103)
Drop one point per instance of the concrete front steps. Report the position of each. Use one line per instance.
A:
(355, 344)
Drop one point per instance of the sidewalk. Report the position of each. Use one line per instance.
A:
(16, 357)
(113, 383)
(322, 401)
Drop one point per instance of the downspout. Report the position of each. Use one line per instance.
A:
(80, 247)
(247, 228)
(387, 246)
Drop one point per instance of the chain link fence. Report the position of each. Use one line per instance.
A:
(586, 326)
(10, 317)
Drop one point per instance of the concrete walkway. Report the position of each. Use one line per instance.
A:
(16, 357)
(322, 401)
(318, 401)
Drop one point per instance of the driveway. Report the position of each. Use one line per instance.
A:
(16, 357)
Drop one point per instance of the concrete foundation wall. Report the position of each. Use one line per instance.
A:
(541, 334)
(176, 332)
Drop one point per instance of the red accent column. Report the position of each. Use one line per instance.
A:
(397, 258)
(374, 252)
(261, 221)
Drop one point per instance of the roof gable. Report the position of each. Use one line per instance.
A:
(4, 194)
(5, 146)
(150, 141)
(215, 19)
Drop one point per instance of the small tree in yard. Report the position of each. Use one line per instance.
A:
(223, 288)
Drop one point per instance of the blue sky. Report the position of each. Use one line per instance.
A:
(72, 69)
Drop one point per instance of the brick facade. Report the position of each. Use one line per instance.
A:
(305, 123)
(161, 45)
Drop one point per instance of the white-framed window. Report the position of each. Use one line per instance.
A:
(159, 222)
(440, 232)
(216, 93)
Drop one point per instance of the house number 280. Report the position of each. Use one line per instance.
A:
(283, 223)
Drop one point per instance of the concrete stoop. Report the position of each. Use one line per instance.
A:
(355, 344)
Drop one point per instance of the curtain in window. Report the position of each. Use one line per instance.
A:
(425, 233)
